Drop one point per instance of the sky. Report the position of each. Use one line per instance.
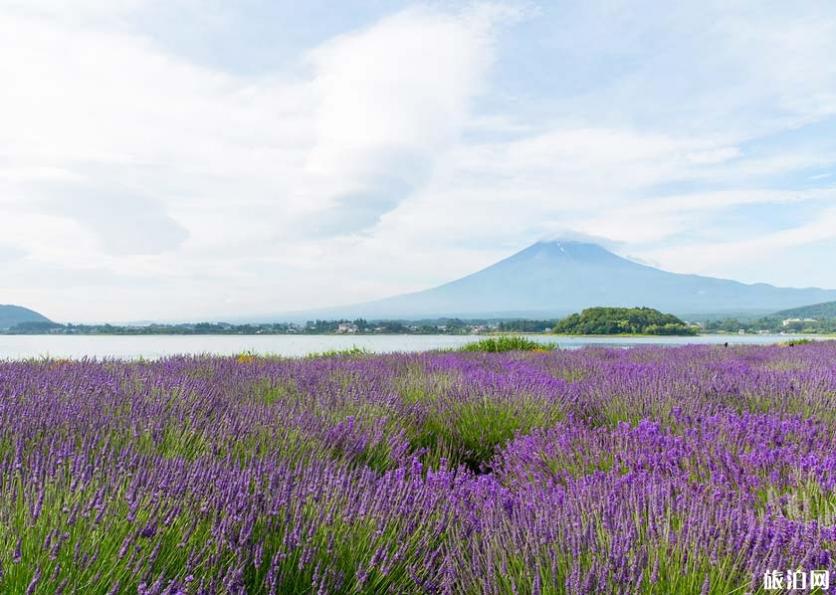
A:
(196, 159)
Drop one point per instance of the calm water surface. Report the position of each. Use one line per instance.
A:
(24, 346)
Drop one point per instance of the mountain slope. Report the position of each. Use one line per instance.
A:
(12, 315)
(818, 311)
(561, 277)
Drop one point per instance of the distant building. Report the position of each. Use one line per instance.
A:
(347, 328)
(791, 321)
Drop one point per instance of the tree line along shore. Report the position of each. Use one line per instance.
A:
(591, 321)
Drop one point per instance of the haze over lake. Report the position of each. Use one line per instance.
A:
(25, 346)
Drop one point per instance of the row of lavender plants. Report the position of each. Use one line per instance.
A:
(647, 470)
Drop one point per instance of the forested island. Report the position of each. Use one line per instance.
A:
(623, 321)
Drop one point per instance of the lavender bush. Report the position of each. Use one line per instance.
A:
(647, 470)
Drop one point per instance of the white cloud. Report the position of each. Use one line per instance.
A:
(390, 101)
(658, 219)
(121, 150)
(76, 12)
(396, 155)
(705, 256)
(715, 155)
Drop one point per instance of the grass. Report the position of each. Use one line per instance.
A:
(505, 343)
(795, 342)
(353, 351)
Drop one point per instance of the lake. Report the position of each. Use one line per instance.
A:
(130, 347)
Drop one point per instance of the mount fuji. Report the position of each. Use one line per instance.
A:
(555, 278)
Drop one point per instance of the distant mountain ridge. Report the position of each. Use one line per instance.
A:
(819, 311)
(13, 315)
(557, 278)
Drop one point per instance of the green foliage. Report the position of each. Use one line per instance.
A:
(466, 432)
(775, 323)
(505, 343)
(826, 310)
(470, 433)
(623, 321)
(525, 326)
(359, 326)
(353, 351)
(794, 342)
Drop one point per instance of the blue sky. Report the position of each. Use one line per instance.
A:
(188, 159)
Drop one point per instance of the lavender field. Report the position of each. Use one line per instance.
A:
(645, 470)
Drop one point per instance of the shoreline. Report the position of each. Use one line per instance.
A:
(475, 335)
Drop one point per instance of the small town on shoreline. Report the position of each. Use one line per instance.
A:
(781, 323)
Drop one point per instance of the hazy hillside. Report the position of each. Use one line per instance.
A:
(12, 315)
(819, 311)
(551, 279)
